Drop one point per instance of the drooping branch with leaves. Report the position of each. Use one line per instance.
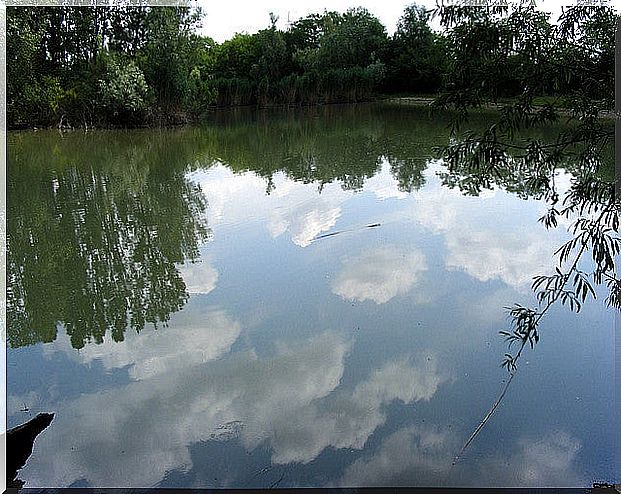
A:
(562, 73)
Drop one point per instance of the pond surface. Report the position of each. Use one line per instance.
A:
(288, 299)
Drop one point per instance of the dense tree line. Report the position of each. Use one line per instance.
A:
(91, 66)
(83, 66)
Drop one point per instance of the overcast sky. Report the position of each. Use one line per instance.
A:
(226, 17)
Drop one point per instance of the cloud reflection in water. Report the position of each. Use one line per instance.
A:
(379, 274)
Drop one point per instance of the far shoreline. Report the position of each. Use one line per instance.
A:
(181, 120)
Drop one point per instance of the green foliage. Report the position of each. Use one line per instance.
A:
(75, 66)
(500, 52)
(322, 58)
(235, 57)
(28, 94)
(124, 90)
(307, 32)
(201, 93)
(72, 66)
(272, 59)
(39, 98)
(100, 221)
(417, 57)
(170, 54)
(94, 243)
(356, 39)
(58, 56)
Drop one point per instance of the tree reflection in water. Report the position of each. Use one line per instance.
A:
(528, 167)
(98, 223)
(96, 227)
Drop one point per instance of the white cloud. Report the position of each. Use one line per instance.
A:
(556, 451)
(489, 308)
(199, 277)
(384, 185)
(380, 274)
(230, 195)
(348, 418)
(305, 214)
(292, 207)
(548, 460)
(493, 236)
(197, 334)
(545, 461)
(423, 455)
(305, 220)
(513, 258)
(292, 399)
(413, 456)
(143, 429)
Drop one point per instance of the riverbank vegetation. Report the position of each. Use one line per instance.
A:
(135, 66)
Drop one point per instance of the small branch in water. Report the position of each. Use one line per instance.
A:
(485, 419)
(526, 337)
(262, 471)
(373, 225)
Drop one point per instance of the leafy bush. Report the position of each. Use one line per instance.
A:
(124, 91)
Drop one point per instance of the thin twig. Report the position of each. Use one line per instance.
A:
(519, 353)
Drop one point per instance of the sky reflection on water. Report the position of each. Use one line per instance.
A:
(362, 358)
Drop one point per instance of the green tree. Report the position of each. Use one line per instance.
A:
(200, 91)
(340, 55)
(307, 32)
(356, 39)
(416, 57)
(169, 54)
(232, 66)
(273, 60)
(32, 94)
(57, 57)
(127, 29)
(494, 52)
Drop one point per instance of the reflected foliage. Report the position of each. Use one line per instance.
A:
(328, 144)
(99, 221)
(96, 227)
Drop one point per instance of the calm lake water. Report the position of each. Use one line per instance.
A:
(283, 299)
